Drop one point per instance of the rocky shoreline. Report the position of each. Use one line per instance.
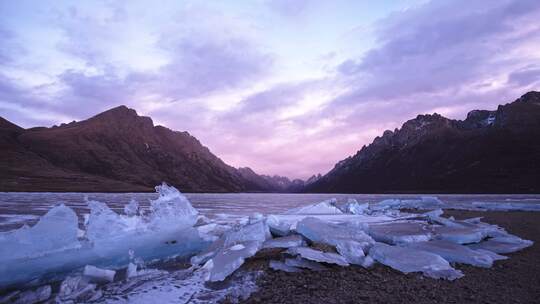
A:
(514, 280)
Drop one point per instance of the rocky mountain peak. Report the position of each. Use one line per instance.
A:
(532, 97)
(6, 125)
(122, 116)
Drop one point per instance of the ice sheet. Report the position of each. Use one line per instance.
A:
(280, 266)
(285, 242)
(353, 252)
(454, 253)
(400, 232)
(503, 244)
(409, 260)
(318, 256)
(319, 231)
(303, 263)
(226, 261)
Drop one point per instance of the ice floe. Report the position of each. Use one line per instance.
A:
(299, 262)
(278, 265)
(319, 231)
(99, 275)
(318, 256)
(455, 253)
(409, 260)
(285, 242)
(401, 232)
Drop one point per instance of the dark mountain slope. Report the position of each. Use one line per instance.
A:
(489, 152)
(117, 147)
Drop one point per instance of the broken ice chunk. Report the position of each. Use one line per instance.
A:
(409, 260)
(353, 252)
(454, 253)
(98, 275)
(257, 232)
(318, 256)
(324, 207)
(278, 265)
(285, 242)
(228, 260)
(400, 233)
(503, 244)
(459, 235)
(320, 231)
(252, 232)
(303, 263)
(353, 207)
(277, 227)
(493, 255)
(55, 231)
(171, 210)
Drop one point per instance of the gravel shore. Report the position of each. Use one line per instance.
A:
(516, 280)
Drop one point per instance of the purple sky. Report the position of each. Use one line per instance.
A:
(284, 87)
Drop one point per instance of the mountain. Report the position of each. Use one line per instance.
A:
(116, 150)
(488, 152)
(273, 183)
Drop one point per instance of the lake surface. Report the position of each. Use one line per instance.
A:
(17, 209)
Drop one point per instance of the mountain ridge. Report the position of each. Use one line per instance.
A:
(116, 150)
(488, 152)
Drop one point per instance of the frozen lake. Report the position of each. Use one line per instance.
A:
(17, 209)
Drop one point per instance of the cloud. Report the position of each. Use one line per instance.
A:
(221, 72)
(290, 8)
(525, 76)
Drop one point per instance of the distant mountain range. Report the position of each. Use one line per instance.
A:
(488, 152)
(118, 150)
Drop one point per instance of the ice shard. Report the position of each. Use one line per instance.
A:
(278, 265)
(98, 275)
(278, 227)
(455, 253)
(285, 242)
(503, 244)
(353, 207)
(318, 256)
(226, 261)
(51, 249)
(400, 232)
(320, 231)
(409, 260)
(353, 252)
(251, 232)
(459, 235)
(56, 231)
(303, 263)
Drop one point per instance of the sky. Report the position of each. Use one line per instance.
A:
(284, 87)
